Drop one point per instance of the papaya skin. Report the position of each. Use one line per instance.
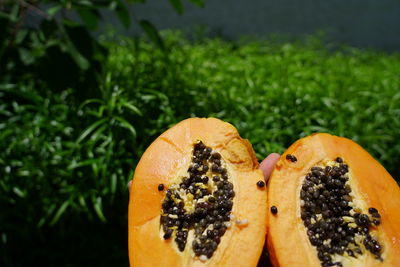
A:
(287, 242)
(168, 155)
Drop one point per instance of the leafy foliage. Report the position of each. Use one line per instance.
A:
(276, 91)
(59, 51)
(65, 159)
(64, 152)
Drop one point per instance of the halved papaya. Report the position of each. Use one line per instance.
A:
(332, 204)
(196, 199)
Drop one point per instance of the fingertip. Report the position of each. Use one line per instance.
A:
(268, 164)
(274, 156)
(129, 185)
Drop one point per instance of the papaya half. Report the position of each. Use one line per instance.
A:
(332, 204)
(197, 199)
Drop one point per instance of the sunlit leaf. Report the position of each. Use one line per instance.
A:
(132, 107)
(90, 129)
(98, 207)
(83, 163)
(113, 184)
(53, 10)
(60, 212)
(18, 192)
(90, 101)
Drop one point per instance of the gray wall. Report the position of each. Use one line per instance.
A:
(363, 23)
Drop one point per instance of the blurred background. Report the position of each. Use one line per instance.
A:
(86, 86)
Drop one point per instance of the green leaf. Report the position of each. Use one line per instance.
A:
(14, 14)
(152, 33)
(98, 207)
(82, 202)
(125, 124)
(20, 36)
(89, 101)
(25, 56)
(59, 212)
(89, 16)
(199, 3)
(131, 107)
(90, 129)
(97, 134)
(53, 10)
(113, 183)
(48, 213)
(4, 15)
(18, 192)
(80, 60)
(123, 14)
(83, 163)
(177, 4)
(85, 3)
(70, 23)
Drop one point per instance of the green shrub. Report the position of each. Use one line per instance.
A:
(64, 163)
(274, 91)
